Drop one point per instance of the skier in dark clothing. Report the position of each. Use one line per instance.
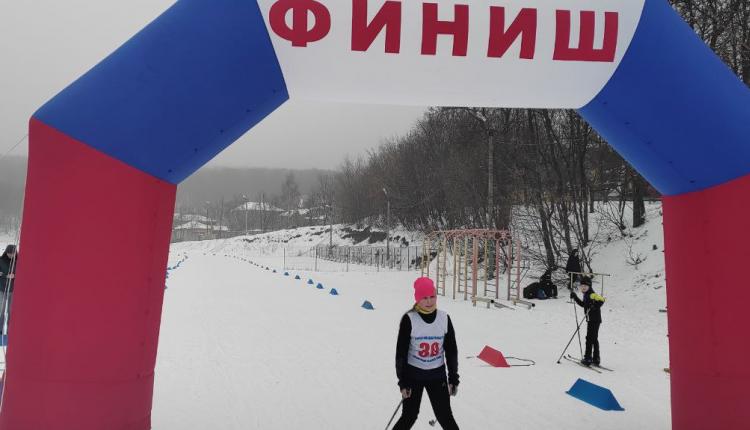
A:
(592, 304)
(549, 287)
(573, 266)
(8, 263)
(426, 344)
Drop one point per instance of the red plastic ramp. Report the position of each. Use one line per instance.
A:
(493, 357)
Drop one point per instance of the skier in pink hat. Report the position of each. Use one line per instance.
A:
(426, 345)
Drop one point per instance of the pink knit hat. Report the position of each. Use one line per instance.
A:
(423, 287)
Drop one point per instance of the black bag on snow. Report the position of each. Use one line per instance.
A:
(531, 291)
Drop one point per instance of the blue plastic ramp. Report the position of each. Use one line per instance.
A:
(595, 395)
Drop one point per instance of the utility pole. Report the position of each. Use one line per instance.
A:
(262, 213)
(330, 231)
(482, 115)
(221, 216)
(207, 219)
(246, 210)
(490, 177)
(387, 226)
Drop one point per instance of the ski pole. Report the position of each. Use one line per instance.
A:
(575, 314)
(578, 329)
(387, 426)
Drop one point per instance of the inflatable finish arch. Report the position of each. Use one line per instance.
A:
(107, 152)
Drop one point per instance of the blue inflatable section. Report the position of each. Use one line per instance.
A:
(673, 109)
(595, 395)
(179, 92)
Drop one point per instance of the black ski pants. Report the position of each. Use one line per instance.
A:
(592, 341)
(440, 399)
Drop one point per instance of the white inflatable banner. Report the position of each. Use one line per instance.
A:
(509, 53)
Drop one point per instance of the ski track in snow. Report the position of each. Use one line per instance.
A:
(244, 348)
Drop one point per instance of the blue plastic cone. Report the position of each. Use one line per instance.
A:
(367, 305)
(333, 292)
(310, 282)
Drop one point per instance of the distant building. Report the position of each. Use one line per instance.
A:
(258, 216)
(258, 207)
(184, 218)
(196, 230)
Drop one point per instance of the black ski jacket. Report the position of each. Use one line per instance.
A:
(574, 264)
(407, 373)
(5, 269)
(592, 305)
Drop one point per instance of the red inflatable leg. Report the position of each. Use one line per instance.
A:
(85, 321)
(707, 241)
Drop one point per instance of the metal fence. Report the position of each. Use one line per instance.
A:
(338, 258)
(380, 257)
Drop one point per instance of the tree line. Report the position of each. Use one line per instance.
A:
(540, 170)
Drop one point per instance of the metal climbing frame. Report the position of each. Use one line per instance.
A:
(473, 259)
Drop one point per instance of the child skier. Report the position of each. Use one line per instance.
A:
(426, 343)
(592, 304)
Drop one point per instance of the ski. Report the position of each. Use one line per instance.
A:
(581, 364)
(592, 365)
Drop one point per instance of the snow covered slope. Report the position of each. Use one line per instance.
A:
(244, 348)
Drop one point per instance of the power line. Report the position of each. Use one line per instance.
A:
(14, 146)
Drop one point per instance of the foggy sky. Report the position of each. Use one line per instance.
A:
(46, 44)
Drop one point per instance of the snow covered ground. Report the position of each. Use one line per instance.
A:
(244, 348)
(6, 239)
